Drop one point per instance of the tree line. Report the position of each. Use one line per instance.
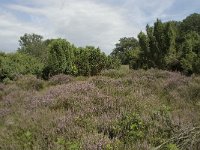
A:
(172, 45)
(46, 58)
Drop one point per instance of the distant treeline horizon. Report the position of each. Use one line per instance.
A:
(172, 45)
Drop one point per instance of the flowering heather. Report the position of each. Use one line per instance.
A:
(65, 90)
(115, 110)
(60, 79)
(2, 86)
(4, 112)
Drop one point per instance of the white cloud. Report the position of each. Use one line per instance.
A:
(11, 29)
(83, 22)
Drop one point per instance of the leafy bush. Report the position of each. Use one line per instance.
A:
(161, 127)
(67, 59)
(90, 61)
(129, 129)
(113, 63)
(61, 58)
(12, 65)
(65, 144)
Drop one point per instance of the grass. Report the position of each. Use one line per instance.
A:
(119, 109)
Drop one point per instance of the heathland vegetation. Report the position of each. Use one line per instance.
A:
(144, 95)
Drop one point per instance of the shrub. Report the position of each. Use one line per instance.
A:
(61, 57)
(12, 65)
(90, 61)
(129, 129)
(30, 82)
(113, 73)
(60, 79)
(113, 63)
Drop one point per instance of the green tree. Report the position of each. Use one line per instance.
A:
(190, 53)
(82, 61)
(32, 44)
(123, 48)
(90, 61)
(160, 42)
(158, 46)
(145, 50)
(113, 63)
(153, 47)
(97, 60)
(61, 57)
(191, 23)
(171, 57)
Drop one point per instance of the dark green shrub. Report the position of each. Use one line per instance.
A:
(90, 61)
(113, 63)
(97, 60)
(82, 61)
(132, 128)
(12, 65)
(61, 58)
(129, 129)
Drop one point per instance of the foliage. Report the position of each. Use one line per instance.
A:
(97, 60)
(61, 58)
(90, 61)
(191, 23)
(171, 45)
(113, 63)
(33, 44)
(52, 57)
(190, 53)
(82, 61)
(12, 65)
(130, 128)
(158, 47)
(116, 73)
(124, 48)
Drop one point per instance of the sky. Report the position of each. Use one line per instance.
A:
(100, 23)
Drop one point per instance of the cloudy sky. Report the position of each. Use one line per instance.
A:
(85, 22)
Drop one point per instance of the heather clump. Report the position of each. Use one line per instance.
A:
(30, 82)
(2, 86)
(60, 79)
(68, 95)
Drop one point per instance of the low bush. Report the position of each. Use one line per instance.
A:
(12, 65)
(60, 79)
(30, 82)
